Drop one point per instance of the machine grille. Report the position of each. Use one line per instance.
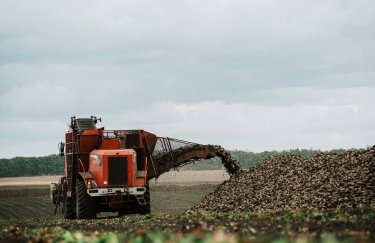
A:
(117, 170)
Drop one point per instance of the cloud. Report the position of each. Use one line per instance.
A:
(339, 118)
(23, 136)
(324, 119)
(219, 72)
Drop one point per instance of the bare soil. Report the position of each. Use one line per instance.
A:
(174, 192)
(26, 215)
(171, 177)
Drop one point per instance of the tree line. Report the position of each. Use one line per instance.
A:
(32, 166)
(54, 164)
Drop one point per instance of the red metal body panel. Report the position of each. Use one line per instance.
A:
(99, 166)
(87, 143)
(110, 144)
(83, 149)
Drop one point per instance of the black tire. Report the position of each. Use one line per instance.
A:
(85, 204)
(69, 208)
(145, 209)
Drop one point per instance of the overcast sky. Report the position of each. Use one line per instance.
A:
(253, 75)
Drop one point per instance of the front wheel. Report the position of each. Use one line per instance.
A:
(85, 204)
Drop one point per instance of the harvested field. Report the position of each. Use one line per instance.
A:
(30, 180)
(171, 177)
(26, 207)
(325, 181)
(173, 192)
(33, 202)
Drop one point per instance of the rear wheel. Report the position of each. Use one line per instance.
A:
(68, 209)
(85, 204)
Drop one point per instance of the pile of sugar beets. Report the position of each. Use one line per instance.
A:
(325, 181)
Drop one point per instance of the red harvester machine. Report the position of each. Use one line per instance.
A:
(109, 170)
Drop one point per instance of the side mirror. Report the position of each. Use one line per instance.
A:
(61, 147)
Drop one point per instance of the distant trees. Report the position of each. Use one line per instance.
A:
(32, 166)
(54, 164)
